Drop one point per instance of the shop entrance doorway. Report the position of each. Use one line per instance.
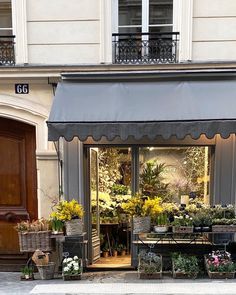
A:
(110, 187)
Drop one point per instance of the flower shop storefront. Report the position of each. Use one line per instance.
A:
(169, 141)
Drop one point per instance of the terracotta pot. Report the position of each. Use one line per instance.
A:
(123, 253)
(114, 253)
(105, 254)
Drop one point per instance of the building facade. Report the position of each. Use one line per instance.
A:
(43, 43)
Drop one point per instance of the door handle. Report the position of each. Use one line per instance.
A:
(10, 216)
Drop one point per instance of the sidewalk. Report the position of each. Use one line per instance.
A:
(115, 282)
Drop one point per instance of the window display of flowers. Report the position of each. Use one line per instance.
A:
(219, 261)
(68, 210)
(71, 267)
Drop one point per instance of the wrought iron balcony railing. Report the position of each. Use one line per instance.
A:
(145, 48)
(7, 55)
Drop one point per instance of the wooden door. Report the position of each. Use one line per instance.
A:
(18, 198)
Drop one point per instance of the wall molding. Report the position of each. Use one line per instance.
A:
(19, 23)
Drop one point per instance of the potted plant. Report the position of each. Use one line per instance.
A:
(219, 265)
(150, 265)
(115, 250)
(182, 224)
(162, 223)
(121, 249)
(72, 268)
(202, 221)
(142, 209)
(105, 250)
(27, 273)
(224, 225)
(184, 266)
(56, 224)
(70, 213)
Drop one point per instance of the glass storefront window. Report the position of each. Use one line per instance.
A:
(174, 172)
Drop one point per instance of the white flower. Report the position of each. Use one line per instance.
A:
(76, 268)
(66, 268)
(65, 260)
(181, 217)
(76, 258)
(69, 259)
(187, 216)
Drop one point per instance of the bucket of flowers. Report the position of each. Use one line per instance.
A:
(70, 213)
(219, 265)
(72, 268)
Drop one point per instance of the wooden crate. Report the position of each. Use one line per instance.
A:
(182, 229)
(220, 228)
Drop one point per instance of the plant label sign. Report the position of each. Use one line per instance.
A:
(21, 88)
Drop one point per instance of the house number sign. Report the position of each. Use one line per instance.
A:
(21, 88)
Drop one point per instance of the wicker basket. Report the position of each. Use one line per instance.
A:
(46, 271)
(224, 228)
(141, 224)
(74, 227)
(31, 241)
(182, 229)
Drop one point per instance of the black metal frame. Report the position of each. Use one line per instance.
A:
(145, 48)
(7, 52)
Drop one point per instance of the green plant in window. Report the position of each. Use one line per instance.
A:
(152, 180)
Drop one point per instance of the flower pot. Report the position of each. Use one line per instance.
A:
(197, 229)
(141, 224)
(46, 271)
(114, 253)
(161, 229)
(206, 228)
(74, 227)
(123, 253)
(105, 254)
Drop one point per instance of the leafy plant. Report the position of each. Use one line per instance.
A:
(220, 261)
(152, 180)
(183, 220)
(162, 219)
(224, 221)
(27, 271)
(202, 218)
(71, 266)
(119, 189)
(185, 264)
(149, 262)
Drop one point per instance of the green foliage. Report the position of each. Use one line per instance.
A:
(162, 219)
(219, 212)
(224, 221)
(152, 180)
(119, 189)
(202, 218)
(109, 168)
(27, 270)
(149, 262)
(186, 264)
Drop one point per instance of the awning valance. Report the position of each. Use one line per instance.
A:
(143, 108)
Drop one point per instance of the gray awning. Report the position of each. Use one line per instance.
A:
(143, 108)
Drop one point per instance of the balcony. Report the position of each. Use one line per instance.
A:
(7, 55)
(145, 48)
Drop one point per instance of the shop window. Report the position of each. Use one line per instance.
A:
(176, 174)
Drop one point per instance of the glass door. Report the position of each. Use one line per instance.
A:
(94, 208)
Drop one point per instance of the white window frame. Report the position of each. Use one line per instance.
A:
(182, 23)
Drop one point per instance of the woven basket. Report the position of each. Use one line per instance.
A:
(224, 228)
(141, 224)
(74, 227)
(31, 241)
(46, 271)
(182, 229)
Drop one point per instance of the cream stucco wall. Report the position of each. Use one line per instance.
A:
(62, 32)
(214, 34)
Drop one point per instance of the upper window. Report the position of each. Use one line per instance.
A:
(143, 32)
(5, 19)
(136, 16)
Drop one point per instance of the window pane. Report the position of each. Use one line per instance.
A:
(5, 19)
(160, 12)
(164, 29)
(130, 12)
(128, 30)
(169, 172)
